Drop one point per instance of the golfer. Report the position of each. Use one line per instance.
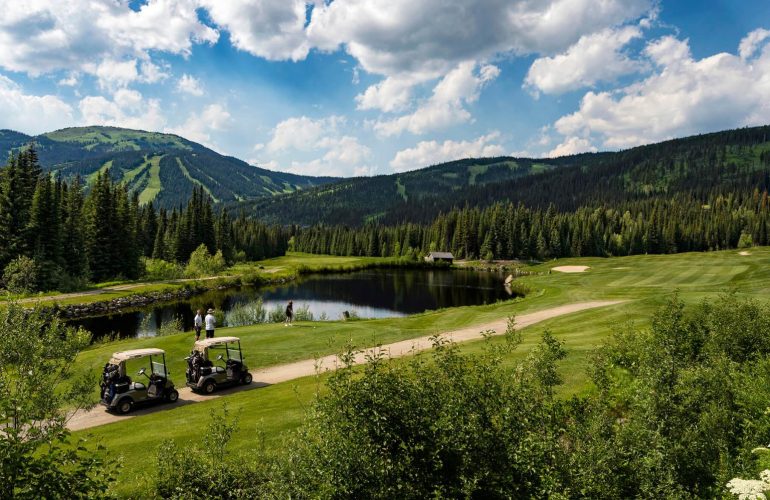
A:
(211, 322)
(198, 324)
(289, 313)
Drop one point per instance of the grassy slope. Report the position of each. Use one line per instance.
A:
(153, 185)
(273, 411)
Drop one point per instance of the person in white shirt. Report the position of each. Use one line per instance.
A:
(198, 324)
(211, 322)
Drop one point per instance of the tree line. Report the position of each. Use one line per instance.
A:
(56, 234)
(681, 223)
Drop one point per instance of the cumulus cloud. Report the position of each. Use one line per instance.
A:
(341, 154)
(682, 96)
(594, 58)
(199, 126)
(32, 114)
(127, 108)
(446, 106)
(391, 94)
(189, 85)
(302, 133)
(49, 35)
(391, 37)
(571, 146)
(273, 29)
(432, 152)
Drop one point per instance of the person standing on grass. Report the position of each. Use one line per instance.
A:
(198, 324)
(289, 313)
(211, 322)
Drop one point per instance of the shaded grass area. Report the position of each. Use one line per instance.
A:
(272, 412)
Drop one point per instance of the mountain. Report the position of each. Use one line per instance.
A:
(162, 168)
(359, 200)
(699, 166)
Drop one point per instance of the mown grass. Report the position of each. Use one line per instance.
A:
(272, 412)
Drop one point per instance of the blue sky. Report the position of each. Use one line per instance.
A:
(375, 86)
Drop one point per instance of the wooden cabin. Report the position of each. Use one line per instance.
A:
(440, 257)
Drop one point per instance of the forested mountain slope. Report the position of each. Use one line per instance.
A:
(162, 168)
(698, 166)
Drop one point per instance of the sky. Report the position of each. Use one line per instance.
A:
(367, 87)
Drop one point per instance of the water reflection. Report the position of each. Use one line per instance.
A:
(371, 293)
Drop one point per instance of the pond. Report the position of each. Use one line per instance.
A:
(379, 293)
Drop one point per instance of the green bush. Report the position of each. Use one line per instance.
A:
(277, 314)
(21, 275)
(158, 269)
(202, 263)
(251, 313)
(205, 468)
(443, 425)
(38, 388)
(302, 313)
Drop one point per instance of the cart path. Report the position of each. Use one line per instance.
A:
(283, 373)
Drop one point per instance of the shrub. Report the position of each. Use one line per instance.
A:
(451, 426)
(21, 275)
(202, 263)
(40, 387)
(170, 327)
(250, 313)
(302, 313)
(277, 314)
(205, 469)
(158, 269)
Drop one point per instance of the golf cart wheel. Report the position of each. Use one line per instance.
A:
(209, 387)
(125, 405)
(172, 396)
(246, 380)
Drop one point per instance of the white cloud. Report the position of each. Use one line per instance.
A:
(31, 114)
(43, 36)
(594, 58)
(116, 73)
(301, 133)
(683, 96)
(446, 106)
(273, 29)
(391, 94)
(128, 108)
(571, 146)
(432, 152)
(392, 37)
(189, 85)
(752, 42)
(199, 126)
(341, 154)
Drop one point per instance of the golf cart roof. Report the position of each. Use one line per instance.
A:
(215, 341)
(119, 357)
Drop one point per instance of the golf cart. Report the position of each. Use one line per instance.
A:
(120, 393)
(204, 376)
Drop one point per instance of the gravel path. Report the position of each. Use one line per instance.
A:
(282, 373)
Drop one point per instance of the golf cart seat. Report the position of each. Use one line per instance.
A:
(219, 369)
(138, 386)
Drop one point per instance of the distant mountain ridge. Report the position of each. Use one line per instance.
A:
(162, 168)
(698, 166)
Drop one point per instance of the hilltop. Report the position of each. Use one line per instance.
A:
(162, 168)
(698, 166)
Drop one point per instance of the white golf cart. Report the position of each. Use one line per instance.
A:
(206, 377)
(120, 394)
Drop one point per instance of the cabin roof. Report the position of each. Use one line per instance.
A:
(441, 255)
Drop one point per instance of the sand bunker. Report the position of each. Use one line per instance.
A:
(744, 253)
(570, 269)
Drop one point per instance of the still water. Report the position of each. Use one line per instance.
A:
(377, 293)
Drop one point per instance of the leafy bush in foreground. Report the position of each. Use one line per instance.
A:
(676, 411)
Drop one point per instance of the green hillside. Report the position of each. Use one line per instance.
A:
(700, 166)
(162, 168)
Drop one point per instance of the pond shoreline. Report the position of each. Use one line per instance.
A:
(142, 300)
